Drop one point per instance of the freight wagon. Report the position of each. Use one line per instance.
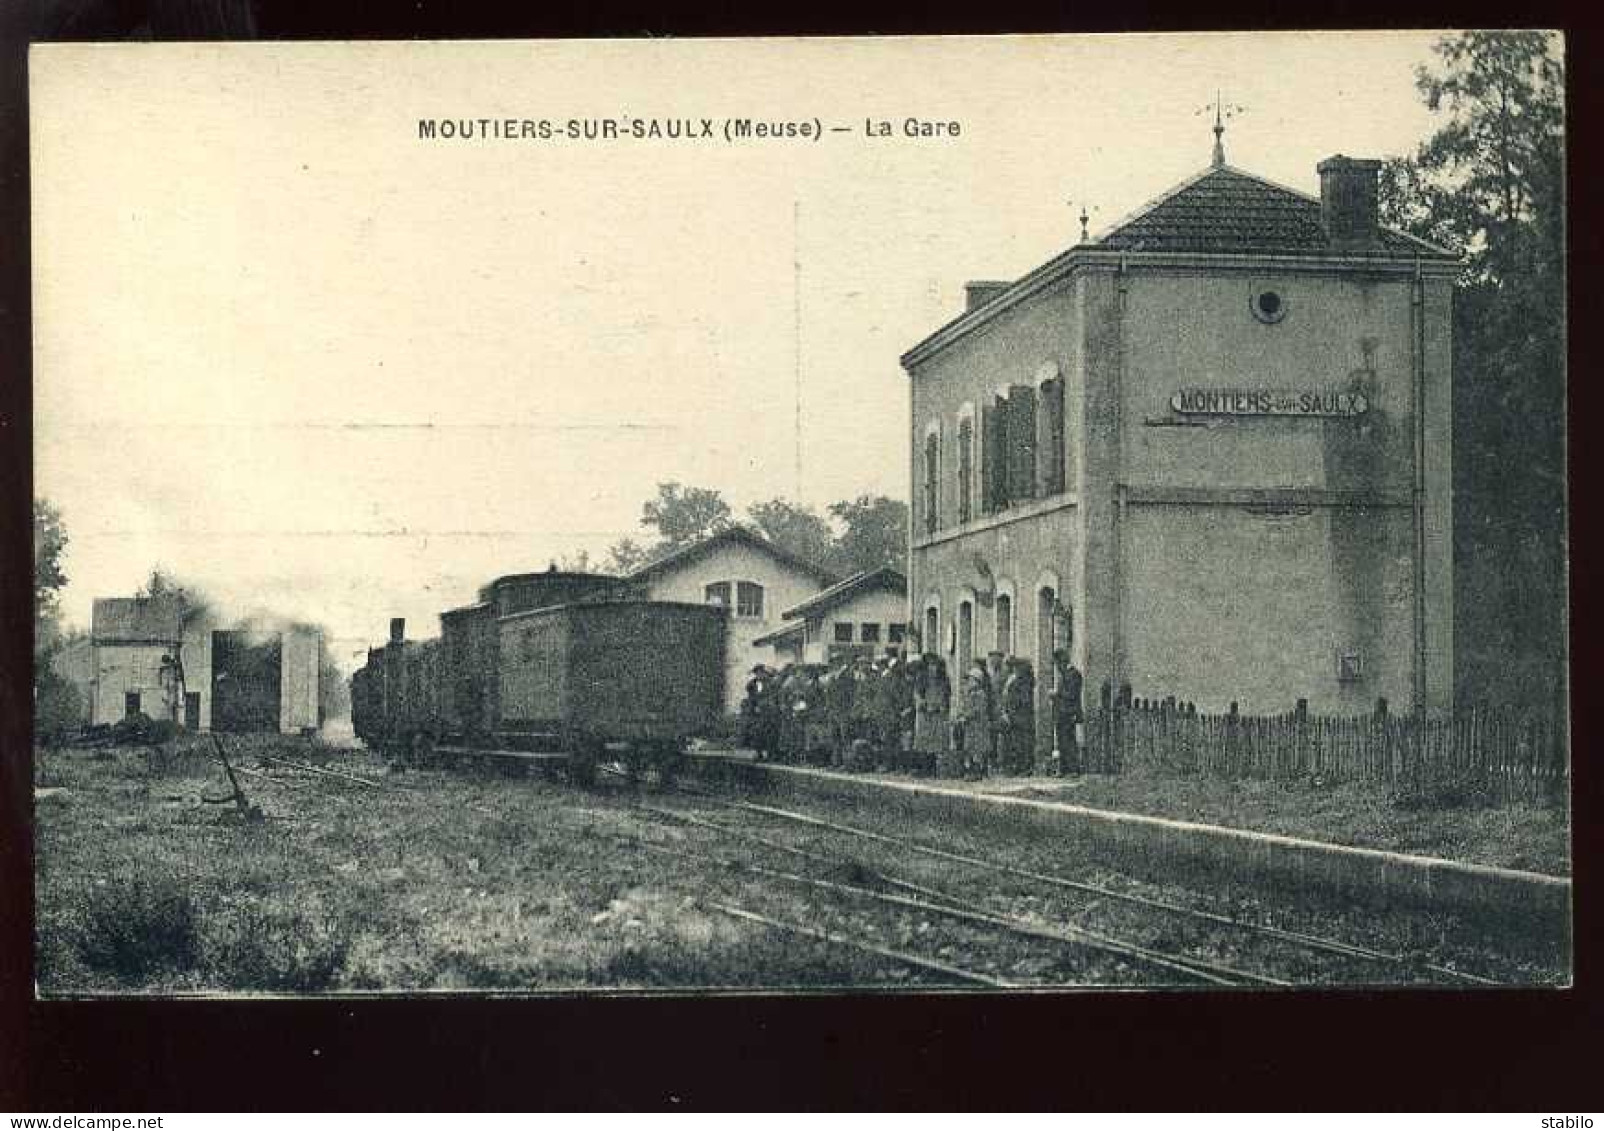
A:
(548, 667)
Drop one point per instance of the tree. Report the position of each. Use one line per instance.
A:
(49, 548)
(625, 556)
(795, 528)
(874, 533)
(682, 515)
(193, 604)
(578, 562)
(56, 702)
(1490, 183)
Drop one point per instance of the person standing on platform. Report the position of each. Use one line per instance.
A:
(838, 708)
(749, 709)
(789, 686)
(996, 673)
(865, 714)
(807, 712)
(1068, 713)
(932, 734)
(892, 696)
(1017, 716)
(975, 721)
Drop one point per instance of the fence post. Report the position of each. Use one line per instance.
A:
(1233, 724)
(1122, 707)
(1381, 729)
(1105, 726)
(1301, 762)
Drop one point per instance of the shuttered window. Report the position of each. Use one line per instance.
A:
(1052, 437)
(993, 487)
(932, 482)
(1021, 443)
(966, 469)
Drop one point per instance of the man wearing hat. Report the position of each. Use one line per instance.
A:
(761, 708)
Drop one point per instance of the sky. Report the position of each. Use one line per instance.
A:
(318, 367)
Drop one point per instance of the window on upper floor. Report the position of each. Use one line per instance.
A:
(932, 482)
(896, 633)
(966, 470)
(1050, 446)
(748, 599)
(1022, 445)
(843, 633)
(870, 632)
(718, 593)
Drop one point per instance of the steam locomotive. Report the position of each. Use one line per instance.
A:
(552, 667)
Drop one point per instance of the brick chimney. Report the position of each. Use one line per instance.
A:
(398, 629)
(981, 291)
(1348, 204)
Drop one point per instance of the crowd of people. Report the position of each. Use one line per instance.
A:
(907, 713)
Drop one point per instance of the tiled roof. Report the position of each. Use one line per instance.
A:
(796, 628)
(885, 578)
(687, 554)
(130, 619)
(1224, 211)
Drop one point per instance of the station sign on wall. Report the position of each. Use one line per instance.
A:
(1269, 402)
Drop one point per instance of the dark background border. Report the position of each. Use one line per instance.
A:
(1303, 1051)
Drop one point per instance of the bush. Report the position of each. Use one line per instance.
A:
(137, 926)
(256, 948)
(58, 710)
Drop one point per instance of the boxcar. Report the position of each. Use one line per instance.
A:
(592, 677)
(637, 676)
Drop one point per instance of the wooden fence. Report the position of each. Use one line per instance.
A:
(1494, 754)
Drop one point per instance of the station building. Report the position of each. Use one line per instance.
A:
(1208, 450)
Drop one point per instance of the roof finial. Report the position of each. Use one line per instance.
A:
(1085, 236)
(1219, 132)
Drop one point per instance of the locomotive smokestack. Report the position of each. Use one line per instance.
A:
(398, 629)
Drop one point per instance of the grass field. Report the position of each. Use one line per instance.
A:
(435, 881)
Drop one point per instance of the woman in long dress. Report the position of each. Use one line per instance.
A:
(932, 728)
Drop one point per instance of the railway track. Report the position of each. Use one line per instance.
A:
(1168, 938)
(952, 913)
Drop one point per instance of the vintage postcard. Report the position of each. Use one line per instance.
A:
(991, 514)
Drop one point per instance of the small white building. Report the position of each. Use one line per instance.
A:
(136, 644)
(865, 615)
(146, 657)
(752, 577)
